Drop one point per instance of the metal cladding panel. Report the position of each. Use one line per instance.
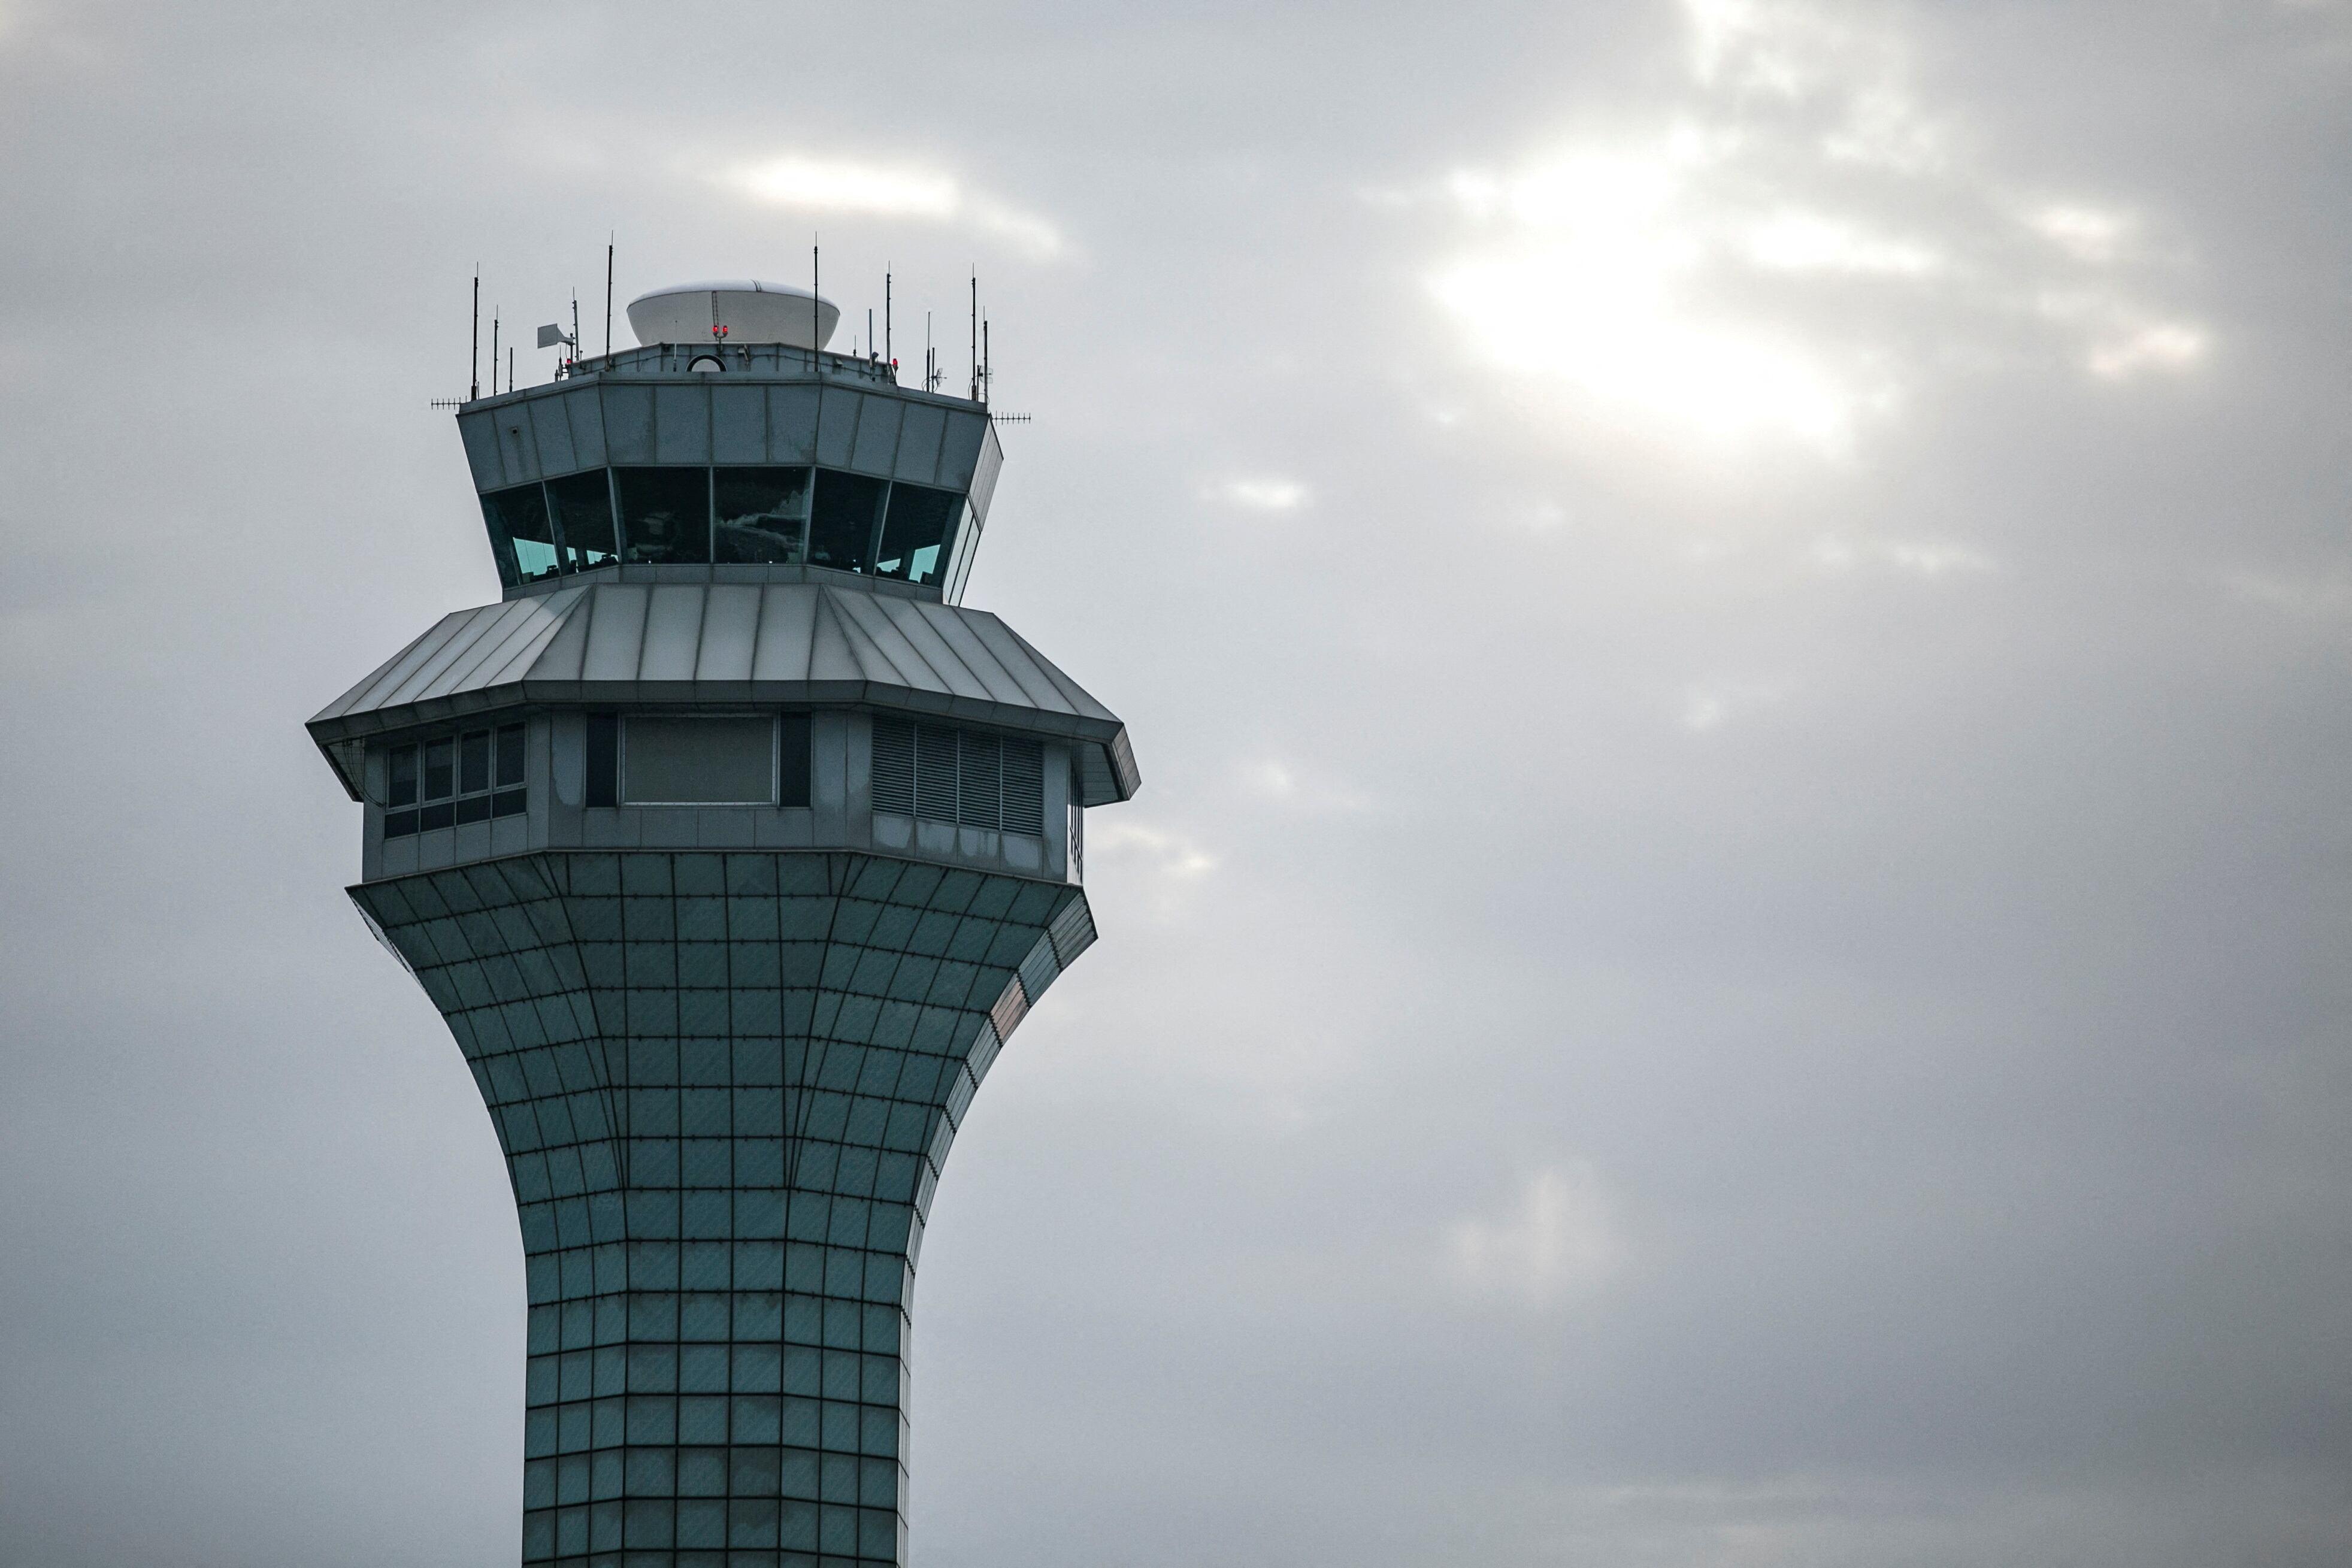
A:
(584, 411)
(923, 645)
(628, 424)
(791, 423)
(832, 657)
(953, 631)
(1038, 674)
(517, 442)
(960, 448)
(730, 634)
(836, 426)
(739, 423)
(387, 676)
(787, 632)
(918, 444)
(673, 633)
(503, 651)
(984, 471)
(460, 647)
(876, 450)
(551, 434)
(616, 631)
(681, 424)
(481, 439)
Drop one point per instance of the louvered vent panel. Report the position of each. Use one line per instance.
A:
(978, 801)
(935, 774)
(1025, 788)
(894, 766)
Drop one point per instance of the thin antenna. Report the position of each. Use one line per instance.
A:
(984, 360)
(886, 329)
(477, 371)
(608, 295)
(509, 370)
(975, 337)
(869, 333)
(494, 351)
(816, 278)
(931, 364)
(575, 328)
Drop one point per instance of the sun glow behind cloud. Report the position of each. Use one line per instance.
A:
(830, 185)
(1792, 251)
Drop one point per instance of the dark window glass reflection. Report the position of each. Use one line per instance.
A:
(401, 785)
(582, 504)
(521, 535)
(840, 524)
(762, 514)
(474, 762)
(665, 514)
(510, 756)
(915, 535)
(440, 768)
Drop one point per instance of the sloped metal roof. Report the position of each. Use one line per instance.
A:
(694, 644)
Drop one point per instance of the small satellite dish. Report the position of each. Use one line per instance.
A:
(734, 313)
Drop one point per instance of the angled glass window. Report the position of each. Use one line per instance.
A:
(915, 532)
(840, 524)
(665, 515)
(583, 505)
(761, 515)
(521, 536)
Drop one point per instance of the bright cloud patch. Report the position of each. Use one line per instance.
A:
(825, 185)
(1261, 494)
(1782, 257)
(1557, 1240)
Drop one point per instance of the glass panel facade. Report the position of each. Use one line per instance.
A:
(841, 526)
(583, 505)
(747, 515)
(665, 514)
(521, 535)
(761, 515)
(725, 1085)
(915, 532)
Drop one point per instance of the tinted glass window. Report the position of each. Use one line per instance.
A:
(699, 761)
(841, 526)
(510, 755)
(665, 514)
(474, 762)
(914, 536)
(521, 535)
(401, 783)
(440, 769)
(582, 504)
(762, 513)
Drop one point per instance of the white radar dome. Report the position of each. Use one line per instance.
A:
(750, 310)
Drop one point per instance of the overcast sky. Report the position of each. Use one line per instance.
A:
(1735, 613)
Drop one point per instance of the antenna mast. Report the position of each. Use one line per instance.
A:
(494, 351)
(975, 337)
(816, 283)
(608, 295)
(475, 372)
(886, 329)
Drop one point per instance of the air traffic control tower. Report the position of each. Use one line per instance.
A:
(733, 847)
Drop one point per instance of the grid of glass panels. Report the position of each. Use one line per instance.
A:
(669, 515)
(959, 775)
(439, 781)
(725, 1085)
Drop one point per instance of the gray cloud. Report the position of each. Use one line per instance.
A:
(1677, 994)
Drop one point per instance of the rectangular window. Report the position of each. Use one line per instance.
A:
(761, 515)
(471, 776)
(915, 532)
(583, 505)
(842, 519)
(665, 515)
(698, 761)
